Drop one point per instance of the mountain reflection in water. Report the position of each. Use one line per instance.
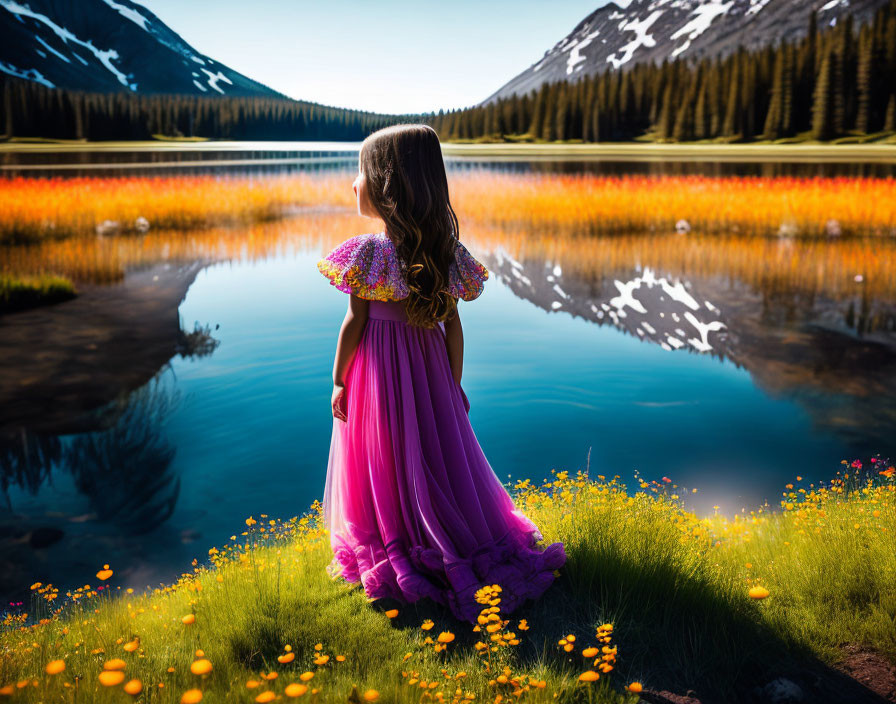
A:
(833, 353)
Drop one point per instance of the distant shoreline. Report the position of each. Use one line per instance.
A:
(808, 151)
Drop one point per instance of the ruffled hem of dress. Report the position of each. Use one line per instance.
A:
(409, 574)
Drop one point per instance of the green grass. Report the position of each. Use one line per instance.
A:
(21, 292)
(674, 586)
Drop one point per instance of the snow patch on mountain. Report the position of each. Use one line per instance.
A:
(756, 6)
(575, 55)
(213, 79)
(129, 13)
(105, 57)
(32, 74)
(639, 27)
(52, 50)
(703, 17)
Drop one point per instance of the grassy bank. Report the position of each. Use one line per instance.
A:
(20, 292)
(651, 594)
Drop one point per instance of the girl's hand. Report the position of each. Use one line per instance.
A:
(337, 402)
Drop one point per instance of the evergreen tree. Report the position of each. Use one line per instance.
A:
(665, 125)
(589, 107)
(8, 129)
(837, 81)
(538, 110)
(822, 103)
(732, 123)
(807, 70)
(595, 123)
(683, 131)
(549, 128)
(748, 100)
(864, 83)
(562, 113)
(778, 118)
(787, 93)
(701, 111)
(626, 109)
(890, 119)
(490, 119)
(716, 101)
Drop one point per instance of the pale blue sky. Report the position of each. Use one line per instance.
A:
(391, 56)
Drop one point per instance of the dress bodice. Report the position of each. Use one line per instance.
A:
(368, 266)
(388, 310)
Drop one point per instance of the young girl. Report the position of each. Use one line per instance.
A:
(412, 505)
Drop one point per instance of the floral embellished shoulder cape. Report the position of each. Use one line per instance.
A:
(368, 266)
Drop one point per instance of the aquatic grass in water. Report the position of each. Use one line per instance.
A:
(652, 596)
(35, 209)
(21, 292)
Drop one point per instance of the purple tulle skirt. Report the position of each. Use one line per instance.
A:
(412, 505)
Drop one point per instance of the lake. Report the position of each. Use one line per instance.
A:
(145, 420)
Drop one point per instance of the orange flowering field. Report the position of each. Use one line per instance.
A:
(34, 209)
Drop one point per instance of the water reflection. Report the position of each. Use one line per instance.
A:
(743, 338)
(62, 362)
(62, 490)
(808, 346)
(198, 343)
(290, 157)
(26, 460)
(125, 469)
(122, 160)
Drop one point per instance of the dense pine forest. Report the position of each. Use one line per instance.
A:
(30, 109)
(824, 86)
(828, 85)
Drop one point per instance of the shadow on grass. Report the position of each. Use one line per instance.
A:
(678, 627)
(676, 631)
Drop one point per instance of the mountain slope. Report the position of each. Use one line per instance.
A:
(109, 46)
(653, 30)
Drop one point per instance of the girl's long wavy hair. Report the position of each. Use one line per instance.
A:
(408, 188)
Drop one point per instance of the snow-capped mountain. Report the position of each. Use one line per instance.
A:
(653, 30)
(107, 46)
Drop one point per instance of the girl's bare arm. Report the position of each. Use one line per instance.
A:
(349, 337)
(454, 340)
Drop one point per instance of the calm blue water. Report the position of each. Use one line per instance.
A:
(544, 387)
(250, 425)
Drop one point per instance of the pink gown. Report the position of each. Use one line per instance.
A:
(412, 506)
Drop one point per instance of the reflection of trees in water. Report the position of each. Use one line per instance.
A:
(125, 471)
(198, 343)
(27, 459)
